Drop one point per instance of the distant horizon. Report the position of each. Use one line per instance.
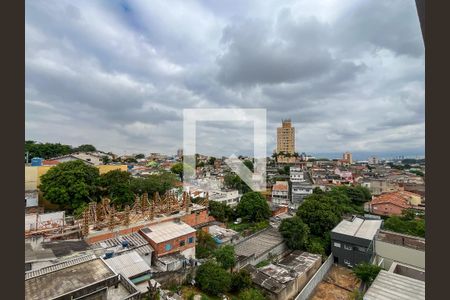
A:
(356, 155)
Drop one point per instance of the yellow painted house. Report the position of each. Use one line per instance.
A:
(33, 174)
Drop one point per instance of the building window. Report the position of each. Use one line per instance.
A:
(168, 247)
(347, 247)
(182, 243)
(337, 244)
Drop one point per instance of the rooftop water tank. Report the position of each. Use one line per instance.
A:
(36, 162)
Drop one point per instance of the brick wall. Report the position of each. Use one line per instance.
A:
(387, 209)
(160, 249)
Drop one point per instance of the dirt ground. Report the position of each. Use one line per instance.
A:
(338, 284)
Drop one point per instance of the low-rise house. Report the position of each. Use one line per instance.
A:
(393, 204)
(171, 237)
(228, 197)
(378, 187)
(280, 193)
(124, 244)
(352, 241)
(131, 265)
(222, 235)
(286, 278)
(86, 277)
(262, 245)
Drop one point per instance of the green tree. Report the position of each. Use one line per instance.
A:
(211, 160)
(405, 225)
(225, 256)
(179, 168)
(240, 280)
(130, 160)
(46, 150)
(294, 232)
(251, 294)
(140, 156)
(366, 272)
(70, 184)
(318, 190)
(249, 164)
(233, 181)
(213, 279)
(116, 184)
(220, 211)
(321, 213)
(151, 184)
(105, 159)
(317, 245)
(205, 245)
(253, 207)
(85, 148)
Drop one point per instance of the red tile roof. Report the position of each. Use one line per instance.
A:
(400, 198)
(280, 186)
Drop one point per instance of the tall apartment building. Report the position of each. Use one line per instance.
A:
(347, 157)
(286, 137)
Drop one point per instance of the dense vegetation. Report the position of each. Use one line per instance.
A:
(408, 223)
(233, 181)
(49, 150)
(205, 245)
(73, 184)
(253, 207)
(366, 272)
(213, 277)
(319, 213)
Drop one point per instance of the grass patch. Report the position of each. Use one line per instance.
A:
(262, 263)
(248, 228)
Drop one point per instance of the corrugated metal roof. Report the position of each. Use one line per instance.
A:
(129, 264)
(391, 286)
(135, 242)
(167, 231)
(59, 266)
(358, 227)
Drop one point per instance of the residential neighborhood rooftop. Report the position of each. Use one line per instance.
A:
(129, 264)
(259, 243)
(391, 286)
(358, 227)
(60, 279)
(167, 231)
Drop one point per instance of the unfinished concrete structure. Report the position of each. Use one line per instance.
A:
(103, 217)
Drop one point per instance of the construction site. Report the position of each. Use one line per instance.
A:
(102, 220)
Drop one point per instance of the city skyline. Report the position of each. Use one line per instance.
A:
(117, 75)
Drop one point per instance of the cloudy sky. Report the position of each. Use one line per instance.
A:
(118, 74)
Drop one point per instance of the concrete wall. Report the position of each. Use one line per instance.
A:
(315, 280)
(405, 255)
